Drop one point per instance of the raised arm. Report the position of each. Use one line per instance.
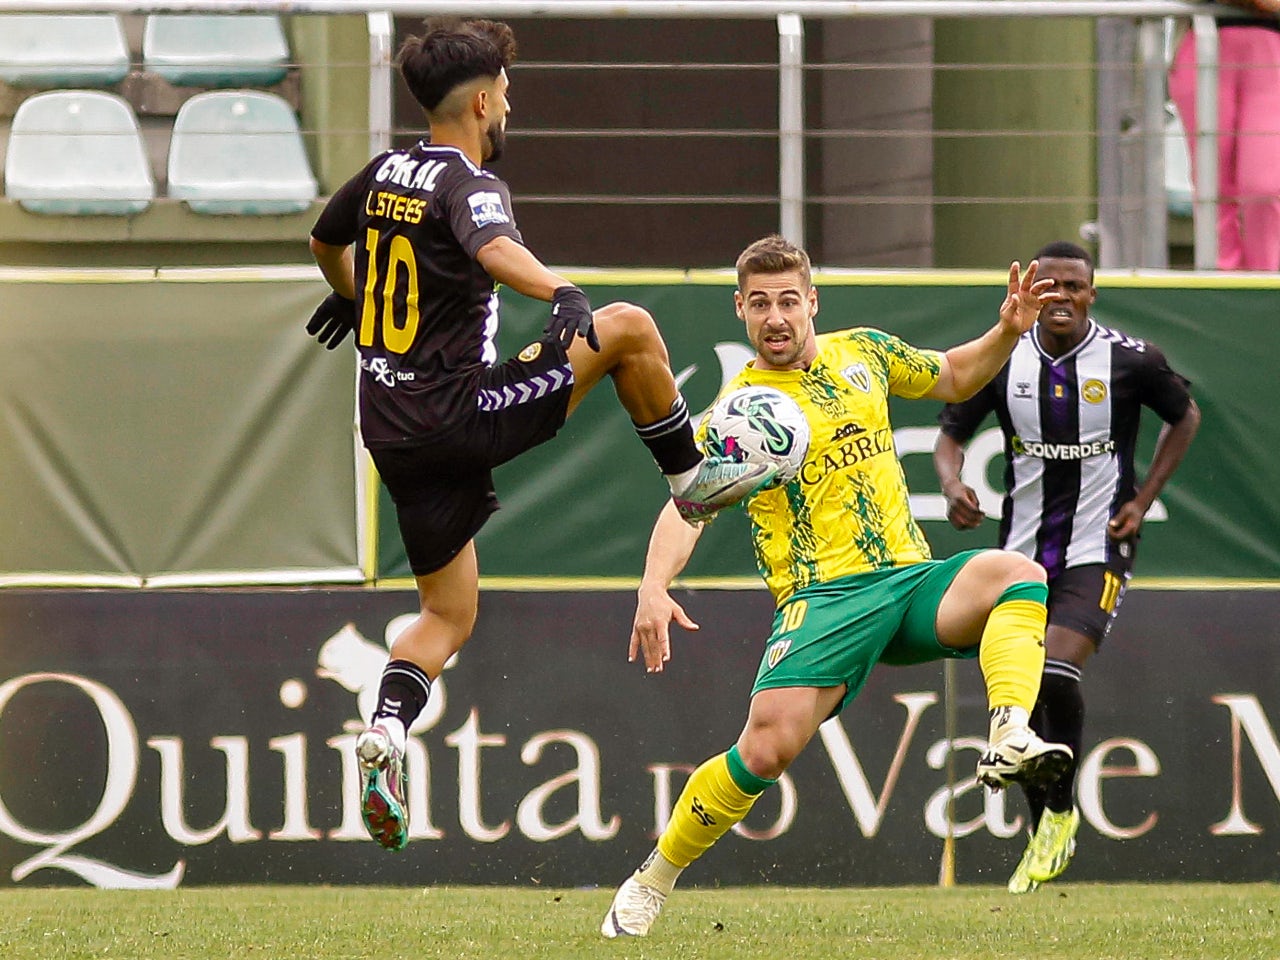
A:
(670, 547)
(967, 368)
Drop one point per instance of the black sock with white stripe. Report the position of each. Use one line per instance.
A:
(1063, 723)
(403, 692)
(670, 440)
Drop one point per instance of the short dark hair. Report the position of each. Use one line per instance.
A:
(452, 52)
(773, 254)
(1065, 250)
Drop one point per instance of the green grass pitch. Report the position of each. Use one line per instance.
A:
(1065, 920)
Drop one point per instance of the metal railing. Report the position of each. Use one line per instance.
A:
(790, 17)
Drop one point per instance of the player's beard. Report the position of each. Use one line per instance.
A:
(497, 141)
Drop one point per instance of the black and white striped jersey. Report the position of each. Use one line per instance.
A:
(426, 311)
(1070, 425)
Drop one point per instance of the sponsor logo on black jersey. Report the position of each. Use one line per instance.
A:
(1061, 451)
(383, 373)
(487, 209)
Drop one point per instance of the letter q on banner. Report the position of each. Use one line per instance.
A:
(122, 775)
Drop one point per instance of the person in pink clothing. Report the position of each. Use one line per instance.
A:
(1248, 132)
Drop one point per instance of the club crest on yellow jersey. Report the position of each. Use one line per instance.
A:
(859, 376)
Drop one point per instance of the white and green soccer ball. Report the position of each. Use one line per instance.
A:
(762, 425)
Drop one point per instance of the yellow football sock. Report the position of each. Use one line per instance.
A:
(718, 795)
(1011, 654)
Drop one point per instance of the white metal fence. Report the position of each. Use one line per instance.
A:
(790, 18)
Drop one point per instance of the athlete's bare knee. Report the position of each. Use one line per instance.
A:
(1007, 568)
(627, 329)
(767, 750)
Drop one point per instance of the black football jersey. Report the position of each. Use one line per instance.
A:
(426, 311)
(1070, 426)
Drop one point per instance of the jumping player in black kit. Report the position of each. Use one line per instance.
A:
(433, 232)
(1069, 402)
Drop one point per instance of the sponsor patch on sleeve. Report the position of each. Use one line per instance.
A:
(487, 209)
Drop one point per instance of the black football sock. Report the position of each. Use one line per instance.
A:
(1064, 723)
(403, 692)
(670, 440)
(1035, 794)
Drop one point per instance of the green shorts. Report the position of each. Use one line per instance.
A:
(833, 633)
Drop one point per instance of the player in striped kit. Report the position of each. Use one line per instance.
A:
(1069, 403)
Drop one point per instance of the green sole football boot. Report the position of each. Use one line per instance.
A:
(383, 807)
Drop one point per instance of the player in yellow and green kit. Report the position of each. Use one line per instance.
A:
(847, 565)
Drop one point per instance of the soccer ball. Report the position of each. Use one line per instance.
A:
(759, 424)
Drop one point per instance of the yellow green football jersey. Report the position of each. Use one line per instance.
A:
(847, 511)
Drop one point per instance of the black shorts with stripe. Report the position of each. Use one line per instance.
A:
(442, 485)
(1087, 598)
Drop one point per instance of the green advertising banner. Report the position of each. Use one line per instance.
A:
(172, 427)
(581, 506)
(178, 427)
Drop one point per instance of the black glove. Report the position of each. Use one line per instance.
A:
(571, 317)
(333, 320)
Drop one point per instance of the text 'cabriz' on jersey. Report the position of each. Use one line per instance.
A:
(847, 510)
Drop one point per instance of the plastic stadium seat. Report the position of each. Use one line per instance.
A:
(76, 50)
(237, 151)
(217, 50)
(77, 152)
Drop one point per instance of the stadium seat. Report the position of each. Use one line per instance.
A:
(77, 152)
(239, 152)
(75, 50)
(216, 50)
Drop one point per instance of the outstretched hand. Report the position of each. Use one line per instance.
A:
(651, 631)
(1026, 297)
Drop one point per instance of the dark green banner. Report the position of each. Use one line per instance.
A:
(173, 426)
(179, 427)
(1216, 518)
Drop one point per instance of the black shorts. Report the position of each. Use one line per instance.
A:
(442, 486)
(1086, 599)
